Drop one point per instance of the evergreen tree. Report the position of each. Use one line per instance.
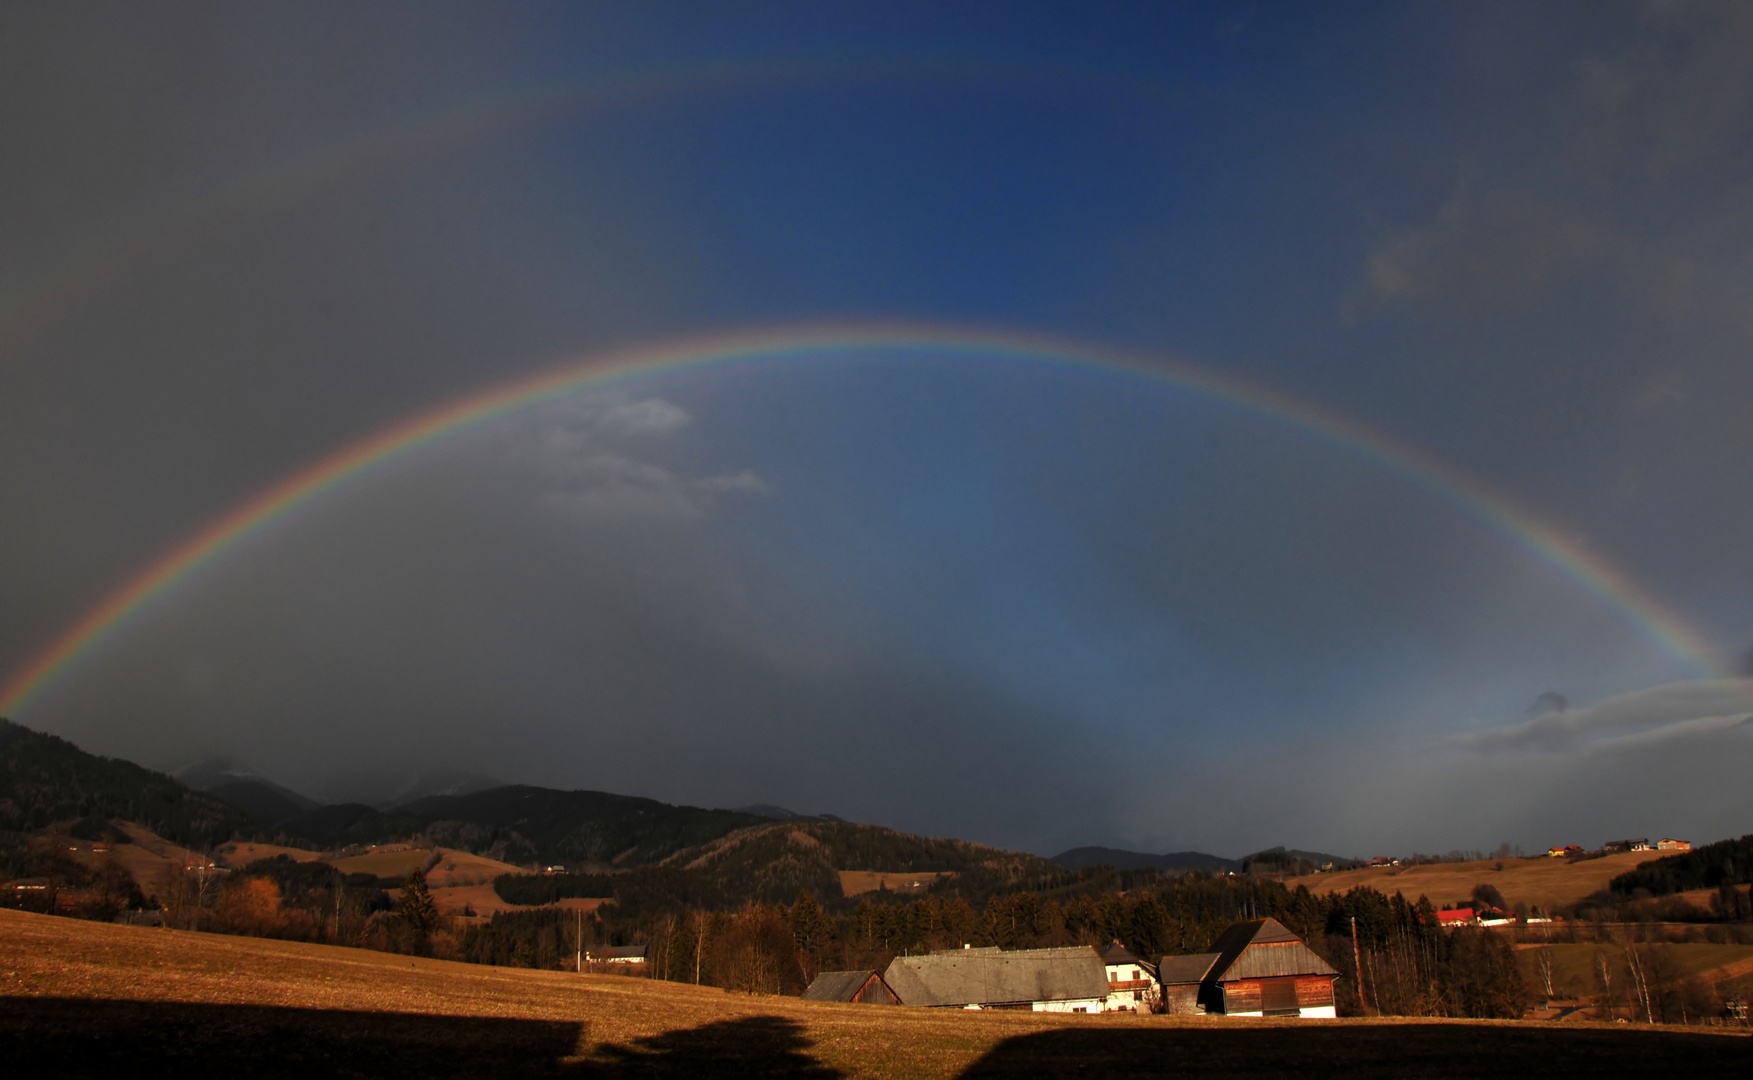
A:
(417, 909)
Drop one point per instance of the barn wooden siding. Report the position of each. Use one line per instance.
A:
(1278, 994)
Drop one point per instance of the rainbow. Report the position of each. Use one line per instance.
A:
(801, 343)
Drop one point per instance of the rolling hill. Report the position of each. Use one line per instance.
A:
(344, 824)
(267, 802)
(244, 788)
(1549, 884)
(773, 862)
(45, 779)
(571, 828)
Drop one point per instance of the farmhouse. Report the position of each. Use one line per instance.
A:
(1450, 918)
(1040, 980)
(1130, 986)
(862, 987)
(616, 954)
(1670, 844)
(1256, 968)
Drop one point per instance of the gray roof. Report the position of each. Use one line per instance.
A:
(1263, 949)
(992, 977)
(617, 952)
(1117, 954)
(836, 985)
(1181, 970)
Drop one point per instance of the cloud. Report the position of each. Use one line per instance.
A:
(597, 453)
(648, 416)
(1639, 718)
(609, 486)
(1640, 170)
(1673, 104)
(579, 425)
(1483, 251)
(1665, 759)
(746, 482)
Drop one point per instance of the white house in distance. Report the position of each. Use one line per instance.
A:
(616, 954)
(1071, 980)
(1131, 985)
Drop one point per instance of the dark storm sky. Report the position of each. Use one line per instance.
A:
(961, 595)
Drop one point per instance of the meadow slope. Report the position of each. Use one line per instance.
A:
(1546, 883)
(84, 998)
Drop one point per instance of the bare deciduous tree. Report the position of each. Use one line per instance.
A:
(1640, 988)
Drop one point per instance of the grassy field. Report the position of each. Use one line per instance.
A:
(242, 854)
(459, 881)
(398, 861)
(146, 858)
(462, 868)
(90, 999)
(1573, 973)
(1548, 883)
(483, 901)
(464, 882)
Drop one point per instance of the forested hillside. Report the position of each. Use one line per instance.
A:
(268, 803)
(784, 858)
(1726, 862)
(344, 824)
(776, 863)
(571, 828)
(1078, 858)
(45, 779)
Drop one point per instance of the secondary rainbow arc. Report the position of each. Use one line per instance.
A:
(1601, 578)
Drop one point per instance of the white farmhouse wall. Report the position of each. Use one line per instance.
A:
(1089, 1005)
(1133, 996)
(1311, 1012)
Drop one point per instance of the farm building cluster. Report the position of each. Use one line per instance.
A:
(1255, 968)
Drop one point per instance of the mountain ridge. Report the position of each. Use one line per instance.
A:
(1080, 858)
(46, 779)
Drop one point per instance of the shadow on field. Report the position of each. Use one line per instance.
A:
(756, 1046)
(76, 1038)
(1386, 1050)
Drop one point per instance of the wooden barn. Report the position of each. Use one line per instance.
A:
(1256, 968)
(1180, 978)
(861, 987)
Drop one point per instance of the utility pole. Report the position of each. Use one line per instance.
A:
(1357, 959)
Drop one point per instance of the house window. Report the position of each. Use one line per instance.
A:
(1079, 1008)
